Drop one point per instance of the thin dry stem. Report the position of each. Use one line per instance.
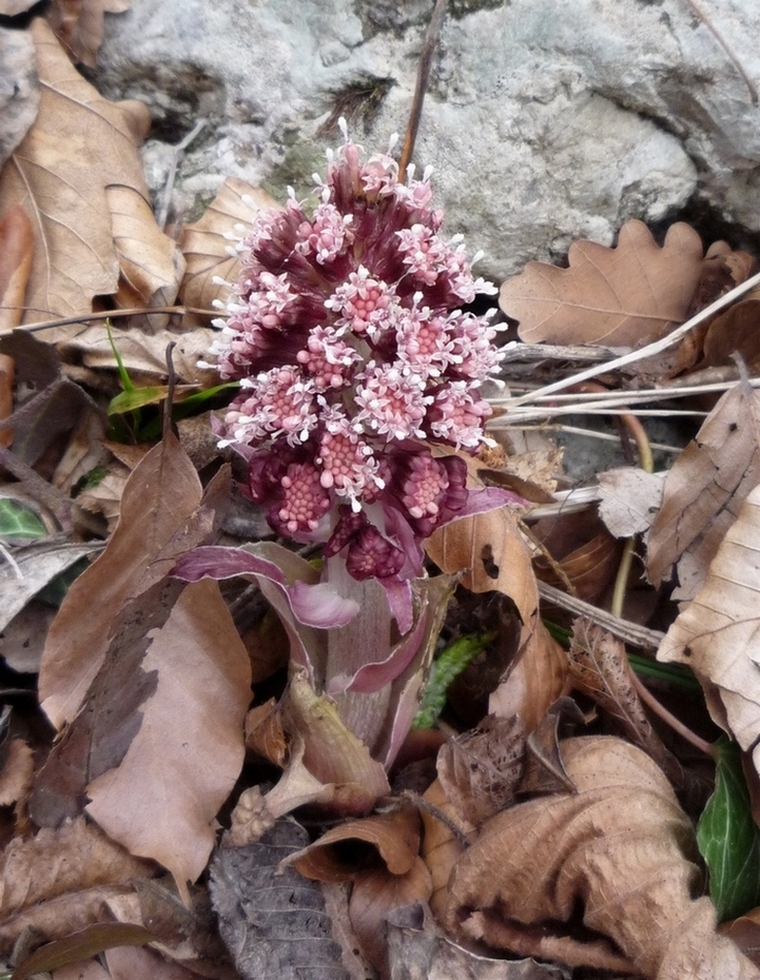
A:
(670, 719)
(423, 74)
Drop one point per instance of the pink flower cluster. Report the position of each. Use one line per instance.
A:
(345, 333)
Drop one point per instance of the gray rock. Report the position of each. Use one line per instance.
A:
(544, 123)
(19, 91)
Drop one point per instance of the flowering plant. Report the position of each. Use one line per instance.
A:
(354, 361)
(345, 335)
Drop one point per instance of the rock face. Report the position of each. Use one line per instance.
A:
(544, 122)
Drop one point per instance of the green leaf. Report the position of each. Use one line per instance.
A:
(447, 667)
(728, 837)
(19, 522)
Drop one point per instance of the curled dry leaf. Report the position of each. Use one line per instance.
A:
(393, 839)
(717, 634)
(443, 841)
(626, 296)
(418, 950)
(704, 490)
(621, 851)
(81, 155)
(206, 243)
(375, 895)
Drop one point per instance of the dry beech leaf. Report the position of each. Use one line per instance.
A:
(161, 496)
(206, 243)
(717, 634)
(480, 769)
(490, 548)
(534, 681)
(626, 296)
(59, 866)
(78, 176)
(16, 252)
(704, 490)
(188, 751)
(629, 499)
(544, 768)
(620, 852)
(600, 669)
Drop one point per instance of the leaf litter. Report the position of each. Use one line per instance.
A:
(530, 833)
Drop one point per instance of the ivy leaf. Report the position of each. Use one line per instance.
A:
(18, 522)
(729, 839)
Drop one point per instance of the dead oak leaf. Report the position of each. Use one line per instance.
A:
(77, 175)
(620, 850)
(704, 490)
(206, 243)
(78, 24)
(626, 296)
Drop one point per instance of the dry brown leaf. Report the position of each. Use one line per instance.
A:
(577, 553)
(206, 243)
(629, 499)
(59, 865)
(717, 633)
(264, 733)
(16, 253)
(735, 332)
(534, 681)
(480, 769)
(91, 970)
(600, 669)
(494, 557)
(78, 176)
(374, 896)
(418, 950)
(7, 377)
(626, 296)
(704, 490)
(620, 852)
(144, 355)
(443, 842)
(78, 24)
(17, 771)
(393, 839)
(162, 494)
(188, 751)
